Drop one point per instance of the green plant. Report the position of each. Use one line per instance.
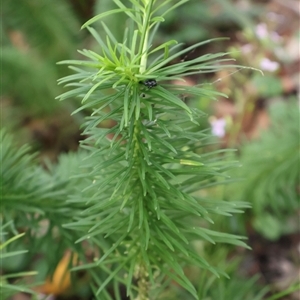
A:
(271, 172)
(143, 211)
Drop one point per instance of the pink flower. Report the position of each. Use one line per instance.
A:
(261, 31)
(218, 127)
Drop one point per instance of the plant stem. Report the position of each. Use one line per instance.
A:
(145, 34)
(141, 272)
(143, 284)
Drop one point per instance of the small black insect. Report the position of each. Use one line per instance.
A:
(150, 83)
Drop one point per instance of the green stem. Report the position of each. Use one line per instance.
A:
(143, 283)
(145, 34)
(141, 272)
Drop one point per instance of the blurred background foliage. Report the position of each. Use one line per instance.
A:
(260, 118)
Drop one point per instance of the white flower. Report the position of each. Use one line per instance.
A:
(269, 65)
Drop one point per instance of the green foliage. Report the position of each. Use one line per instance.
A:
(137, 198)
(32, 71)
(33, 200)
(288, 291)
(268, 86)
(193, 22)
(209, 287)
(271, 172)
(7, 289)
(51, 30)
(141, 208)
(35, 35)
(235, 288)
